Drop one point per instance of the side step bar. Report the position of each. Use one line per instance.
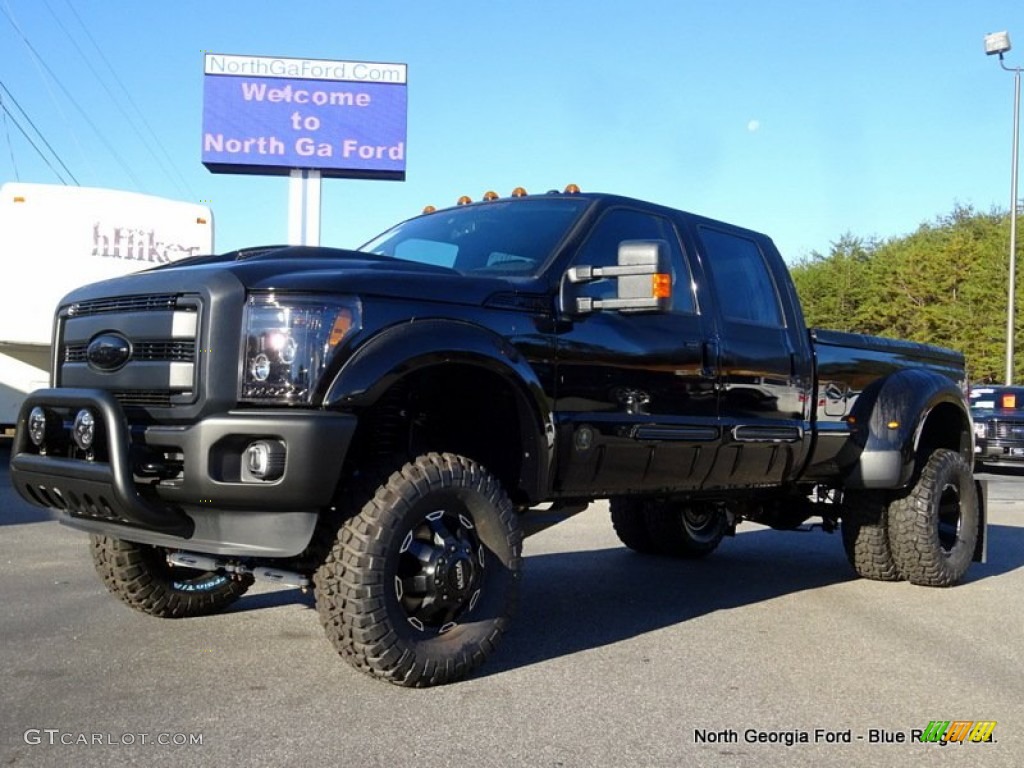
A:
(209, 563)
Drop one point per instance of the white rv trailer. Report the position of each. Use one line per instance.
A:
(54, 239)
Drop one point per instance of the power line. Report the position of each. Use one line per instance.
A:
(49, 90)
(7, 135)
(129, 115)
(38, 133)
(73, 101)
(8, 113)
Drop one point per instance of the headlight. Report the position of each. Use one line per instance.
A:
(979, 428)
(289, 341)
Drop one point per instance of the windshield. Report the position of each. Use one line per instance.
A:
(511, 238)
(997, 398)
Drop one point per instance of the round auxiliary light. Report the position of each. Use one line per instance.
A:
(37, 426)
(84, 430)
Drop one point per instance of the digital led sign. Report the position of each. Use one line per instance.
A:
(268, 115)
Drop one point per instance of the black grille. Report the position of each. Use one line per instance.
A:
(174, 351)
(143, 397)
(1007, 430)
(162, 330)
(150, 303)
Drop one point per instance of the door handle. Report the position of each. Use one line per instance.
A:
(709, 359)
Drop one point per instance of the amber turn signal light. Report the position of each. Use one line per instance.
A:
(661, 285)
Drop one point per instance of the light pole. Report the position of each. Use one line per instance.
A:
(999, 43)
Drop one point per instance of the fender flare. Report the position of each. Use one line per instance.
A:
(403, 349)
(888, 421)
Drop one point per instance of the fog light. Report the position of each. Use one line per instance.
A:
(37, 426)
(84, 430)
(264, 460)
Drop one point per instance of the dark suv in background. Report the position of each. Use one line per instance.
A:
(998, 414)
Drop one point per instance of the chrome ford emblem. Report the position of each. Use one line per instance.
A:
(108, 352)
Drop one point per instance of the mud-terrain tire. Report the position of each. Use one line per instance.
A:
(422, 582)
(689, 531)
(865, 532)
(629, 519)
(140, 576)
(933, 529)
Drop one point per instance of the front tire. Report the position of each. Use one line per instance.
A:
(933, 529)
(422, 582)
(140, 576)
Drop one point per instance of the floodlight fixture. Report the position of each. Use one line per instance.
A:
(997, 43)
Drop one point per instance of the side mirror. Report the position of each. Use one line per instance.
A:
(643, 277)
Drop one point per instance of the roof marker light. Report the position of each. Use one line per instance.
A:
(518, 192)
(572, 189)
(465, 200)
(429, 209)
(490, 195)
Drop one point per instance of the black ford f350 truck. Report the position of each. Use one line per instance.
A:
(385, 425)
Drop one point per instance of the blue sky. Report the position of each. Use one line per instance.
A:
(805, 120)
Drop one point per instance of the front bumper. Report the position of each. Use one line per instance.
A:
(206, 504)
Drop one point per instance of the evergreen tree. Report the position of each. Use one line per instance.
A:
(944, 284)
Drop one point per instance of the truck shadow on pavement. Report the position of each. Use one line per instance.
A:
(577, 601)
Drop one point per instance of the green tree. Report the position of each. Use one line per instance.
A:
(943, 284)
(832, 287)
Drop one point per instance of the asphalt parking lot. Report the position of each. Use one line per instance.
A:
(769, 652)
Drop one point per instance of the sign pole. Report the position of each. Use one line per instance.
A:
(304, 187)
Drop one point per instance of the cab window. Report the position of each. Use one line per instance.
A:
(745, 290)
(601, 249)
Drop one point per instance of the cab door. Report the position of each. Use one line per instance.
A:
(765, 364)
(636, 396)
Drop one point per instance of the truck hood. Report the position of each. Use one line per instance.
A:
(309, 270)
